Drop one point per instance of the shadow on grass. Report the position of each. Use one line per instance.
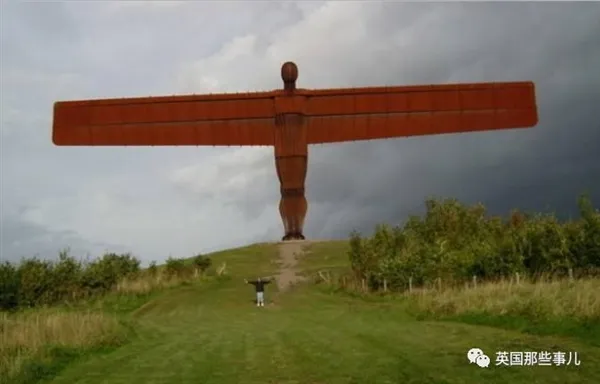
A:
(54, 360)
(588, 332)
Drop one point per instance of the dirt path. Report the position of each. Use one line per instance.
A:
(289, 252)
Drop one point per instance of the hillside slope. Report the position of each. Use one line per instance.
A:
(212, 333)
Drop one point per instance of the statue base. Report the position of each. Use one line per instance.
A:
(293, 236)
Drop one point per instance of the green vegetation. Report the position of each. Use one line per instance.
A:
(453, 243)
(531, 273)
(56, 311)
(193, 320)
(35, 282)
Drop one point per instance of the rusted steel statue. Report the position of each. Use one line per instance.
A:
(290, 119)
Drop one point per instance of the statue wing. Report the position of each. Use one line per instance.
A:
(352, 114)
(222, 119)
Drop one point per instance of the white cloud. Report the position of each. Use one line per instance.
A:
(235, 171)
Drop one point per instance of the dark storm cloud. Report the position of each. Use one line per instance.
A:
(558, 47)
(22, 238)
(357, 185)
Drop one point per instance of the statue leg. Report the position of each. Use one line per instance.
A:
(293, 208)
(291, 155)
(293, 205)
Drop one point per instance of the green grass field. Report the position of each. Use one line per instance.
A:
(211, 332)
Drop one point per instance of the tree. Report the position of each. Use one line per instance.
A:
(202, 263)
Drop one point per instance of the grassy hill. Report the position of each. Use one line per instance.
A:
(209, 331)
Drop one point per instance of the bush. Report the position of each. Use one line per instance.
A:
(10, 283)
(201, 263)
(152, 269)
(176, 267)
(102, 274)
(34, 282)
(454, 242)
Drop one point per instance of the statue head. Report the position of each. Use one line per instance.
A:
(289, 75)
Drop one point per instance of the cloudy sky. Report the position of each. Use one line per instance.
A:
(157, 202)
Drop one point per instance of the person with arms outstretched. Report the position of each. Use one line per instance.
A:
(259, 284)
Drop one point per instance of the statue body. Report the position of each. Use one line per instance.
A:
(291, 119)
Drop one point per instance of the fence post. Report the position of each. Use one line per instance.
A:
(384, 285)
(474, 281)
(570, 274)
(410, 284)
(439, 281)
(364, 285)
(517, 277)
